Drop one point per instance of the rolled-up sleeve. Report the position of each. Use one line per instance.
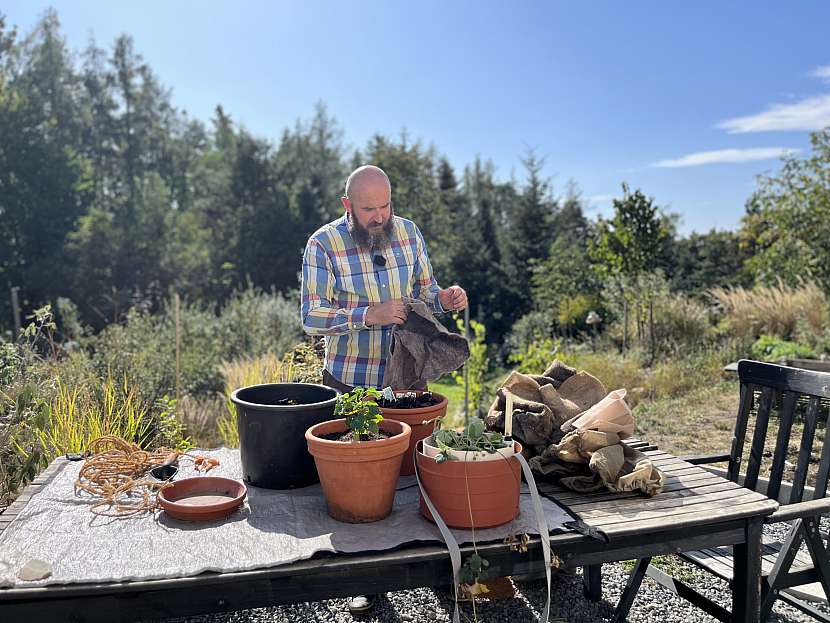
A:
(425, 288)
(320, 316)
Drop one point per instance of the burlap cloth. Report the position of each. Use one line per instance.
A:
(422, 350)
(566, 440)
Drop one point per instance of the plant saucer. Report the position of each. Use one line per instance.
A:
(202, 498)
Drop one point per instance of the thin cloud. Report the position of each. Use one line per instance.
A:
(822, 73)
(812, 113)
(807, 114)
(725, 156)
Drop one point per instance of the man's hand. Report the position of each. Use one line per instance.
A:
(453, 298)
(390, 312)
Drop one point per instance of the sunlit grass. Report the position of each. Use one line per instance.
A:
(80, 413)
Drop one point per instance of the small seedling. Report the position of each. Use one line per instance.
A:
(361, 411)
(474, 438)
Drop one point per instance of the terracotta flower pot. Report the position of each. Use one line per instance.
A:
(358, 478)
(493, 490)
(416, 418)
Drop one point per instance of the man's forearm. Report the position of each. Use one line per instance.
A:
(326, 320)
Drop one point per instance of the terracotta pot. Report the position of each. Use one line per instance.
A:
(493, 490)
(358, 478)
(416, 418)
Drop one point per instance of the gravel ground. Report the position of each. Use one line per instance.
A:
(653, 603)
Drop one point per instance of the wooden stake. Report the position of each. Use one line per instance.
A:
(16, 312)
(508, 415)
(178, 350)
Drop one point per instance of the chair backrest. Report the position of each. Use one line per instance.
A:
(783, 395)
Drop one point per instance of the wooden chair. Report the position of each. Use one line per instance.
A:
(786, 394)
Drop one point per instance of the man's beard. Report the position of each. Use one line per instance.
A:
(364, 238)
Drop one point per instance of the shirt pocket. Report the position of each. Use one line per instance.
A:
(353, 286)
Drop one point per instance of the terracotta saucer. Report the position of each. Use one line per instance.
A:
(202, 498)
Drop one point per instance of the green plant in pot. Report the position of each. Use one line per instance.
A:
(471, 476)
(473, 443)
(362, 414)
(358, 457)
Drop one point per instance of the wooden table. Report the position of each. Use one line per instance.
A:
(697, 509)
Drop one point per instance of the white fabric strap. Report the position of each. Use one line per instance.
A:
(449, 539)
(544, 533)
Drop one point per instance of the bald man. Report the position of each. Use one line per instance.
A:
(356, 271)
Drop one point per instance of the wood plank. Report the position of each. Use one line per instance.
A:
(690, 505)
(568, 497)
(824, 465)
(738, 438)
(782, 443)
(780, 377)
(756, 452)
(715, 561)
(804, 451)
(677, 499)
(690, 520)
(746, 584)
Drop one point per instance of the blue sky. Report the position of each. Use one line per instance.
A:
(688, 101)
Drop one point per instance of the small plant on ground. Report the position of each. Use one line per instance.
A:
(474, 438)
(360, 409)
(773, 348)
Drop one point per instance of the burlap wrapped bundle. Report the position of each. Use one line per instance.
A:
(541, 404)
(571, 429)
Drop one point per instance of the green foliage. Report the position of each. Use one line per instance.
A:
(574, 310)
(679, 324)
(474, 438)
(630, 243)
(476, 365)
(787, 222)
(536, 355)
(360, 409)
(251, 323)
(474, 569)
(529, 233)
(773, 348)
(710, 260)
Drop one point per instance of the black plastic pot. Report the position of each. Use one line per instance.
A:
(272, 435)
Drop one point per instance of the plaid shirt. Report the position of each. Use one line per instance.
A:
(339, 283)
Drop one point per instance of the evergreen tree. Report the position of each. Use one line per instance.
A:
(529, 232)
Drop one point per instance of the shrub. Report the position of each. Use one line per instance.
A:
(773, 348)
(144, 348)
(526, 330)
(681, 324)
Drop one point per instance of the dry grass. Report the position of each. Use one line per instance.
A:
(776, 310)
(241, 373)
(667, 379)
(302, 364)
(698, 422)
